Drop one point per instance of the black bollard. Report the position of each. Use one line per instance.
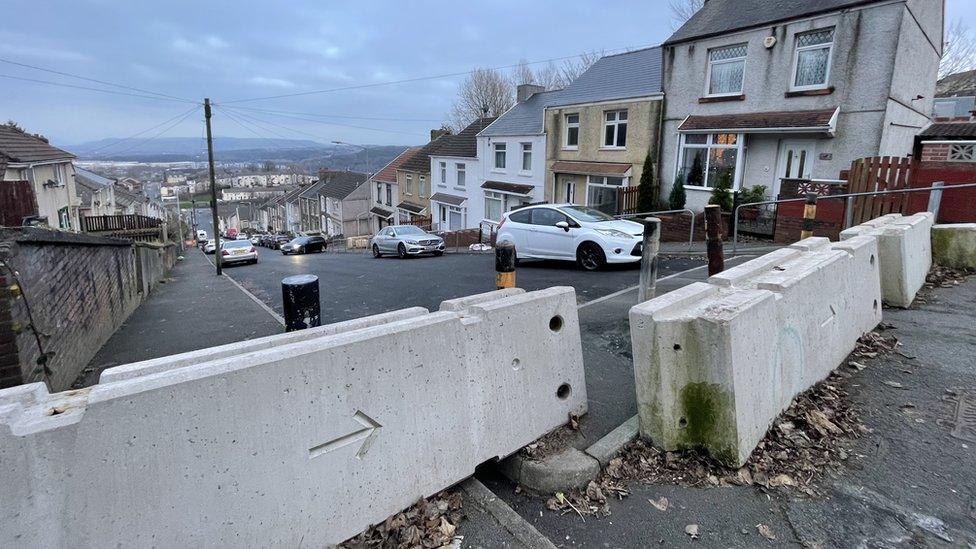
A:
(504, 265)
(300, 295)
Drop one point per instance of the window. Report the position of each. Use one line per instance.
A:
(707, 158)
(389, 194)
(524, 216)
(547, 217)
(601, 192)
(726, 68)
(962, 153)
(460, 174)
(500, 155)
(57, 174)
(408, 188)
(615, 129)
(493, 206)
(379, 193)
(422, 185)
(572, 131)
(443, 172)
(526, 157)
(811, 64)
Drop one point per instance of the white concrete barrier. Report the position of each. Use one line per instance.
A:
(905, 251)
(292, 441)
(716, 362)
(954, 245)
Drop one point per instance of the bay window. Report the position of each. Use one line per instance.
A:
(811, 62)
(726, 70)
(500, 156)
(615, 129)
(601, 192)
(705, 159)
(493, 206)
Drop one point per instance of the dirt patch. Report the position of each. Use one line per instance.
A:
(553, 442)
(941, 277)
(429, 523)
(807, 441)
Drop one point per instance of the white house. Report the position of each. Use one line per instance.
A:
(48, 169)
(455, 169)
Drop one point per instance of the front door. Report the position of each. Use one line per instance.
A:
(795, 161)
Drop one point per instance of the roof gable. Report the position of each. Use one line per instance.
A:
(388, 173)
(465, 143)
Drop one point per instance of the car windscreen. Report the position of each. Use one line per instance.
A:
(299, 240)
(235, 244)
(406, 231)
(589, 215)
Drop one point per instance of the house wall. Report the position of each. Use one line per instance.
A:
(513, 172)
(410, 188)
(355, 210)
(50, 199)
(474, 210)
(866, 43)
(643, 135)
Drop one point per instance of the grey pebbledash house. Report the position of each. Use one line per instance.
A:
(761, 90)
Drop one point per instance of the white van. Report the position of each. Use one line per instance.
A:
(202, 235)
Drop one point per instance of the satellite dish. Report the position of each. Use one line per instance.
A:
(769, 42)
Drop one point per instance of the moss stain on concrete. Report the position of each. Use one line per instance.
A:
(954, 247)
(705, 422)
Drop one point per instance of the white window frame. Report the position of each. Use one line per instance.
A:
(408, 180)
(379, 193)
(740, 147)
(568, 125)
(420, 184)
(494, 197)
(796, 59)
(526, 157)
(443, 167)
(461, 174)
(616, 122)
(389, 194)
(708, 72)
(499, 147)
(601, 181)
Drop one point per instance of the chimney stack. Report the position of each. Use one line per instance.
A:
(525, 91)
(434, 134)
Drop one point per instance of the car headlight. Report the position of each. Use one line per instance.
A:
(613, 233)
(411, 242)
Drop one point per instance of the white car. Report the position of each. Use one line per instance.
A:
(570, 232)
(210, 247)
(238, 251)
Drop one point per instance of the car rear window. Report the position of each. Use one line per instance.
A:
(236, 244)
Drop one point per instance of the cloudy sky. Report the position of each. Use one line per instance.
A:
(232, 49)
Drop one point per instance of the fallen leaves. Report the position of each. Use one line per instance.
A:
(693, 531)
(660, 504)
(555, 441)
(766, 532)
(893, 384)
(427, 524)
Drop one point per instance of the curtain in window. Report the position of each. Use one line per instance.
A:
(811, 67)
(727, 77)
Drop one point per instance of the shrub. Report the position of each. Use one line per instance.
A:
(677, 198)
(722, 193)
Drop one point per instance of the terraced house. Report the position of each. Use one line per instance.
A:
(764, 90)
(455, 166)
(600, 129)
(413, 181)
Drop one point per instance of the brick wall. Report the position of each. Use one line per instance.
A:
(935, 152)
(677, 227)
(79, 289)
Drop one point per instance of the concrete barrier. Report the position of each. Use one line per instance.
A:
(716, 362)
(905, 251)
(954, 245)
(289, 440)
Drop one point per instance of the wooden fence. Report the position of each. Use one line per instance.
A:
(129, 227)
(422, 222)
(16, 202)
(627, 200)
(879, 173)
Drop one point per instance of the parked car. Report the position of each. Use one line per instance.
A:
(278, 241)
(210, 247)
(570, 232)
(202, 235)
(406, 240)
(237, 251)
(304, 245)
(256, 239)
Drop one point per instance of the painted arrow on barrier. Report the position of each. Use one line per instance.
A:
(367, 434)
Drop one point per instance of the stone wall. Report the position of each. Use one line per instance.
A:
(77, 288)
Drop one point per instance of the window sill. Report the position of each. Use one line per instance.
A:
(613, 148)
(721, 98)
(460, 189)
(810, 93)
(525, 173)
(498, 170)
(570, 148)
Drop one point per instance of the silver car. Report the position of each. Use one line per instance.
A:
(404, 241)
(237, 251)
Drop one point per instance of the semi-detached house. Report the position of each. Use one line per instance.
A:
(600, 129)
(762, 90)
(49, 172)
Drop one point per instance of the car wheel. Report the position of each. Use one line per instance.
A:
(401, 251)
(590, 257)
(376, 251)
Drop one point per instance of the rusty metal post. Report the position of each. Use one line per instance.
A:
(809, 214)
(505, 265)
(648, 268)
(713, 239)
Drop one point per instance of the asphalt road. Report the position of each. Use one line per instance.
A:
(353, 285)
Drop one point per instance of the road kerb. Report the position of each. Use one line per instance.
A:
(613, 442)
(505, 515)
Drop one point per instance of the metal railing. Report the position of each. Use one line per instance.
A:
(691, 235)
(849, 203)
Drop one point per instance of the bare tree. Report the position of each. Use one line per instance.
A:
(485, 92)
(572, 68)
(959, 52)
(550, 76)
(682, 10)
(522, 74)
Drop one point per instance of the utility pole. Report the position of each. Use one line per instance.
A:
(213, 187)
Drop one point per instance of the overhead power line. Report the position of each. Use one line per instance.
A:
(349, 117)
(147, 130)
(159, 134)
(70, 75)
(113, 92)
(421, 78)
(255, 119)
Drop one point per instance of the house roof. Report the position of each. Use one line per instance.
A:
(388, 173)
(514, 188)
(465, 143)
(816, 120)
(445, 198)
(591, 168)
(525, 118)
(724, 16)
(382, 212)
(91, 179)
(411, 207)
(959, 84)
(21, 147)
(420, 161)
(312, 191)
(339, 185)
(621, 76)
(950, 129)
